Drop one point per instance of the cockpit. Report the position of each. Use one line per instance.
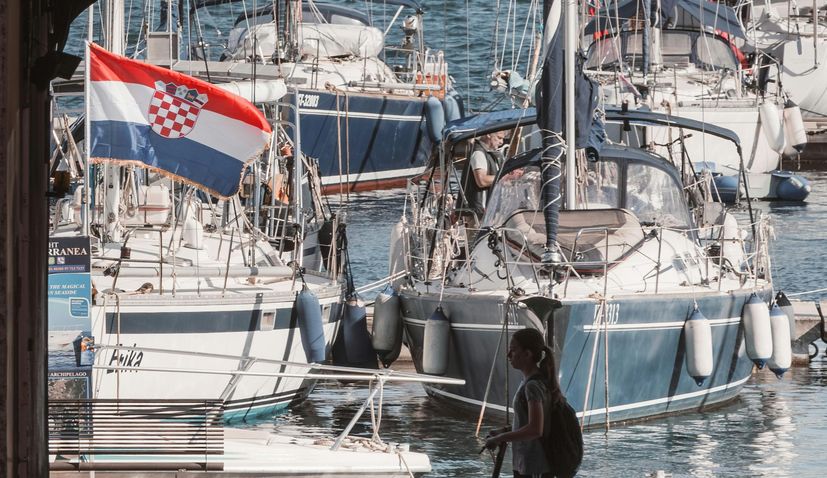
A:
(625, 189)
(623, 178)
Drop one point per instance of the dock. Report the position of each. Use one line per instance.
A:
(809, 329)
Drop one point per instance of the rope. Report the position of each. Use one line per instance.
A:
(339, 144)
(491, 373)
(381, 282)
(379, 414)
(402, 459)
(606, 365)
(347, 144)
(602, 302)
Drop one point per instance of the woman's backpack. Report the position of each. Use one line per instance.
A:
(562, 437)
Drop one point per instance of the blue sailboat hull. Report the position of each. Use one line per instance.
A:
(363, 141)
(646, 353)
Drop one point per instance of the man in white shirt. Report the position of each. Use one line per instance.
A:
(481, 170)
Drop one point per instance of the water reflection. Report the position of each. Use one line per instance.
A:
(702, 461)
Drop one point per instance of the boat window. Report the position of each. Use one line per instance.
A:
(601, 185)
(603, 53)
(634, 44)
(633, 53)
(676, 48)
(655, 197)
(343, 20)
(519, 189)
(714, 54)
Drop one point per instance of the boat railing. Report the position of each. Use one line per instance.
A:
(755, 254)
(163, 261)
(189, 433)
(443, 249)
(306, 371)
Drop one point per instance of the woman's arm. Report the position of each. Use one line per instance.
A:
(532, 430)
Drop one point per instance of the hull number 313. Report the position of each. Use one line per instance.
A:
(612, 314)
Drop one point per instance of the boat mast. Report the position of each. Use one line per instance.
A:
(647, 38)
(549, 101)
(87, 143)
(570, 51)
(114, 39)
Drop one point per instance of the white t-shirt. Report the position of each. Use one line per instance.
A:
(479, 161)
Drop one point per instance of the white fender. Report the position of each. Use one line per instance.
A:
(794, 131)
(435, 343)
(782, 354)
(697, 334)
(757, 330)
(771, 126)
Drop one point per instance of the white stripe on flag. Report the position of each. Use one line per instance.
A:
(110, 102)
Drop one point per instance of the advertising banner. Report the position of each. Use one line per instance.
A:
(71, 343)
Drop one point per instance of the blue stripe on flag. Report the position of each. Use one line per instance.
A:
(182, 157)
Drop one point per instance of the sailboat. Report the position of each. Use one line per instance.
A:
(194, 291)
(790, 42)
(652, 300)
(353, 86)
(683, 60)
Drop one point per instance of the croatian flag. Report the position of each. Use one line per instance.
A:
(168, 122)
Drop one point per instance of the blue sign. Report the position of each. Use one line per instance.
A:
(70, 299)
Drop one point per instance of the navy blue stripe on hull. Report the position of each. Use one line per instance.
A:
(647, 370)
(389, 143)
(176, 322)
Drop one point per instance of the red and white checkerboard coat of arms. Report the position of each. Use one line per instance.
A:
(174, 109)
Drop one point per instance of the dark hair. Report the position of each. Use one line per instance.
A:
(532, 340)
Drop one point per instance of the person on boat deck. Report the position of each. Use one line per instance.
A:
(480, 172)
(528, 353)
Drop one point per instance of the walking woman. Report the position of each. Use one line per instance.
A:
(538, 393)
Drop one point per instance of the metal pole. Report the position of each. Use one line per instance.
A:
(815, 33)
(298, 172)
(87, 142)
(571, 47)
(356, 417)
(87, 179)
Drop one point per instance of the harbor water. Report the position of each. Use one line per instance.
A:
(774, 428)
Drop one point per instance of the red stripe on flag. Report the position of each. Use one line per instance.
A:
(107, 66)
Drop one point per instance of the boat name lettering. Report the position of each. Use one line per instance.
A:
(308, 101)
(612, 314)
(126, 358)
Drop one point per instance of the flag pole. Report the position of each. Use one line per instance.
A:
(298, 173)
(87, 179)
